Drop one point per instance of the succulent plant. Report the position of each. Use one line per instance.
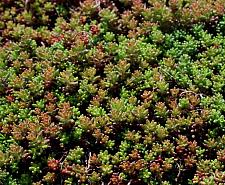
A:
(112, 92)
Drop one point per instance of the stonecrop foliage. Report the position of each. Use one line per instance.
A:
(112, 92)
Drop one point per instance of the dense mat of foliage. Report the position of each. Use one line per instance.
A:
(112, 92)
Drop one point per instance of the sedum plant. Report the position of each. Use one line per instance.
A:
(112, 92)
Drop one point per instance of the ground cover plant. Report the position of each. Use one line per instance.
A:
(112, 92)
